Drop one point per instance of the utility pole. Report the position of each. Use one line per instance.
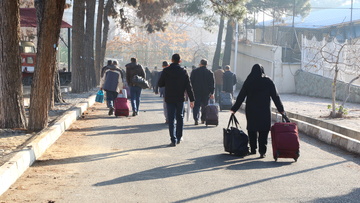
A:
(236, 48)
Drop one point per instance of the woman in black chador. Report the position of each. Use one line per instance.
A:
(258, 89)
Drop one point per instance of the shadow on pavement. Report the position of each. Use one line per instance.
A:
(196, 165)
(90, 158)
(258, 181)
(132, 129)
(353, 196)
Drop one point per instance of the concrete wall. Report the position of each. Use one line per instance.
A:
(311, 84)
(270, 57)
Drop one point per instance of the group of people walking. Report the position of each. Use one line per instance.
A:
(176, 86)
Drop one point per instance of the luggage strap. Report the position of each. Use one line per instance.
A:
(233, 120)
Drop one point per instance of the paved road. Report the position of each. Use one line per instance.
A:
(108, 159)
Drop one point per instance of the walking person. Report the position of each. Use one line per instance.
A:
(219, 73)
(154, 78)
(111, 81)
(161, 90)
(176, 81)
(202, 81)
(133, 69)
(229, 80)
(258, 89)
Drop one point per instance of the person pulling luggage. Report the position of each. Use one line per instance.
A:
(111, 82)
(258, 89)
(202, 81)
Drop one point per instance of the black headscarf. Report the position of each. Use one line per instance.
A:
(257, 72)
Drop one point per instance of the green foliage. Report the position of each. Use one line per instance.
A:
(341, 110)
(234, 9)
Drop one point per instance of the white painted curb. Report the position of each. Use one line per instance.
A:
(17, 165)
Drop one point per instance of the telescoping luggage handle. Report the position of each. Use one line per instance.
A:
(284, 118)
(233, 120)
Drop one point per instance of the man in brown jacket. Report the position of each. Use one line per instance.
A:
(218, 74)
(133, 69)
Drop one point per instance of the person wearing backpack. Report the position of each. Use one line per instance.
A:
(133, 69)
(111, 81)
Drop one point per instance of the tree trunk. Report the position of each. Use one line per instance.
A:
(89, 44)
(12, 112)
(333, 93)
(106, 29)
(216, 60)
(57, 90)
(49, 14)
(228, 42)
(78, 80)
(98, 62)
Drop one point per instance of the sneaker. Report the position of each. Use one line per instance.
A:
(172, 144)
(135, 113)
(196, 123)
(111, 111)
(262, 156)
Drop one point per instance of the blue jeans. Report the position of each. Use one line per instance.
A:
(135, 93)
(110, 98)
(200, 102)
(175, 111)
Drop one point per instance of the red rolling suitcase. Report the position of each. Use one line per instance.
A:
(121, 107)
(285, 139)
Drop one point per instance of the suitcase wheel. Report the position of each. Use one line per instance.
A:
(295, 159)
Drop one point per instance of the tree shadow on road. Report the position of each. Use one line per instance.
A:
(129, 129)
(92, 157)
(191, 166)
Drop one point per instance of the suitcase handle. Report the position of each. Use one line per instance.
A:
(284, 118)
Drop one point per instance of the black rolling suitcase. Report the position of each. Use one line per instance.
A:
(226, 101)
(211, 115)
(235, 140)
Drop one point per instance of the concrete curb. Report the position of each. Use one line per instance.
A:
(17, 165)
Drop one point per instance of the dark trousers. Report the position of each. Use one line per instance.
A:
(135, 97)
(262, 136)
(200, 103)
(110, 98)
(175, 111)
(218, 89)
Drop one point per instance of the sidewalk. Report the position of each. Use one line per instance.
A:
(295, 105)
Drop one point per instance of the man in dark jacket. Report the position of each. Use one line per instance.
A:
(202, 81)
(229, 80)
(176, 81)
(258, 89)
(133, 69)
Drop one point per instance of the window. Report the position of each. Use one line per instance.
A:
(29, 60)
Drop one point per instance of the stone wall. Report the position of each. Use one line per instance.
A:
(310, 84)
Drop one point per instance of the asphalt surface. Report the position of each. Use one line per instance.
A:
(129, 161)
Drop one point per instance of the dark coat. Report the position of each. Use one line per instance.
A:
(258, 89)
(229, 80)
(202, 81)
(176, 81)
(133, 69)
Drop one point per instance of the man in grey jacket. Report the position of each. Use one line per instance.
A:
(111, 82)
